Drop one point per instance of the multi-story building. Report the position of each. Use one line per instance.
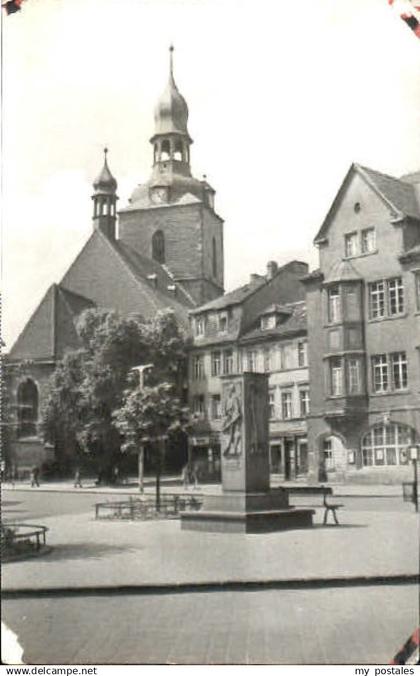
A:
(259, 327)
(166, 253)
(363, 309)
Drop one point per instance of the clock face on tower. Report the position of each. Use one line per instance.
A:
(159, 195)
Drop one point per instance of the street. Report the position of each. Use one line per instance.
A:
(326, 626)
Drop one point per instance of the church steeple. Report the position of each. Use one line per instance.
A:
(171, 140)
(105, 201)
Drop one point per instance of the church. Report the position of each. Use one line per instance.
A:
(165, 250)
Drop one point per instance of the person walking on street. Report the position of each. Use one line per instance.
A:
(35, 476)
(77, 479)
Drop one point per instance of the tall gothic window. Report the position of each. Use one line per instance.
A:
(158, 246)
(214, 258)
(27, 399)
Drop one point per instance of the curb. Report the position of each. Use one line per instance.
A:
(122, 491)
(223, 585)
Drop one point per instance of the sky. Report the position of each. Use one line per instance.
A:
(283, 97)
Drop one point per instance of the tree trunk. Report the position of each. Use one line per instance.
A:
(158, 470)
(141, 469)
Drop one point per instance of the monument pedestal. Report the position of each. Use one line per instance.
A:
(246, 504)
(246, 513)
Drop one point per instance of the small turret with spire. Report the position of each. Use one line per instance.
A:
(105, 201)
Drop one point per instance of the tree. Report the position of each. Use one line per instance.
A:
(88, 384)
(151, 415)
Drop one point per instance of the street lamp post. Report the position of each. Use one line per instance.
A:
(414, 454)
(141, 370)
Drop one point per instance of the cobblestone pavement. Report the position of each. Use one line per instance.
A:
(91, 553)
(324, 626)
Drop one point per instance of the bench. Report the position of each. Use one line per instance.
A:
(322, 492)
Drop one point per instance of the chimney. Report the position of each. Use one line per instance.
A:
(254, 278)
(272, 268)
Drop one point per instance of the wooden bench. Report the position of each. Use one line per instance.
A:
(322, 492)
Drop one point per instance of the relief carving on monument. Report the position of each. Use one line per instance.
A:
(232, 421)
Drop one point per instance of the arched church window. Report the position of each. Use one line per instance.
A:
(386, 444)
(178, 151)
(27, 401)
(214, 258)
(165, 151)
(158, 246)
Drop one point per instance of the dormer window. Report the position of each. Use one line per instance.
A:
(222, 322)
(199, 326)
(268, 322)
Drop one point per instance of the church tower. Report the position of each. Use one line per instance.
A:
(105, 201)
(171, 218)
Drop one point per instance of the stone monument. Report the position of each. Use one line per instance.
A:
(246, 503)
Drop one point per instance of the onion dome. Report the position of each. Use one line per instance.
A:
(105, 183)
(171, 112)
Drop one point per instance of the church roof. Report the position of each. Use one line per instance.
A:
(52, 327)
(399, 194)
(143, 267)
(115, 276)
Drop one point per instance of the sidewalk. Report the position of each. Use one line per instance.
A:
(173, 484)
(89, 554)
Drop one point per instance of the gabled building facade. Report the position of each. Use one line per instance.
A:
(163, 250)
(259, 327)
(363, 308)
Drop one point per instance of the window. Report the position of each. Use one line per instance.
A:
(399, 370)
(216, 364)
(353, 376)
(272, 403)
(302, 351)
(334, 304)
(27, 401)
(199, 326)
(216, 410)
(328, 454)
(304, 402)
(377, 300)
(368, 240)
(351, 244)
(214, 258)
(395, 296)
(386, 298)
(286, 405)
(387, 445)
(267, 360)
(380, 379)
(336, 377)
(158, 246)
(389, 372)
(252, 360)
(268, 322)
(286, 356)
(198, 404)
(198, 367)
(228, 361)
(222, 323)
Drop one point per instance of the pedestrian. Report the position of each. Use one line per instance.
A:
(35, 476)
(194, 475)
(77, 479)
(185, 477)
